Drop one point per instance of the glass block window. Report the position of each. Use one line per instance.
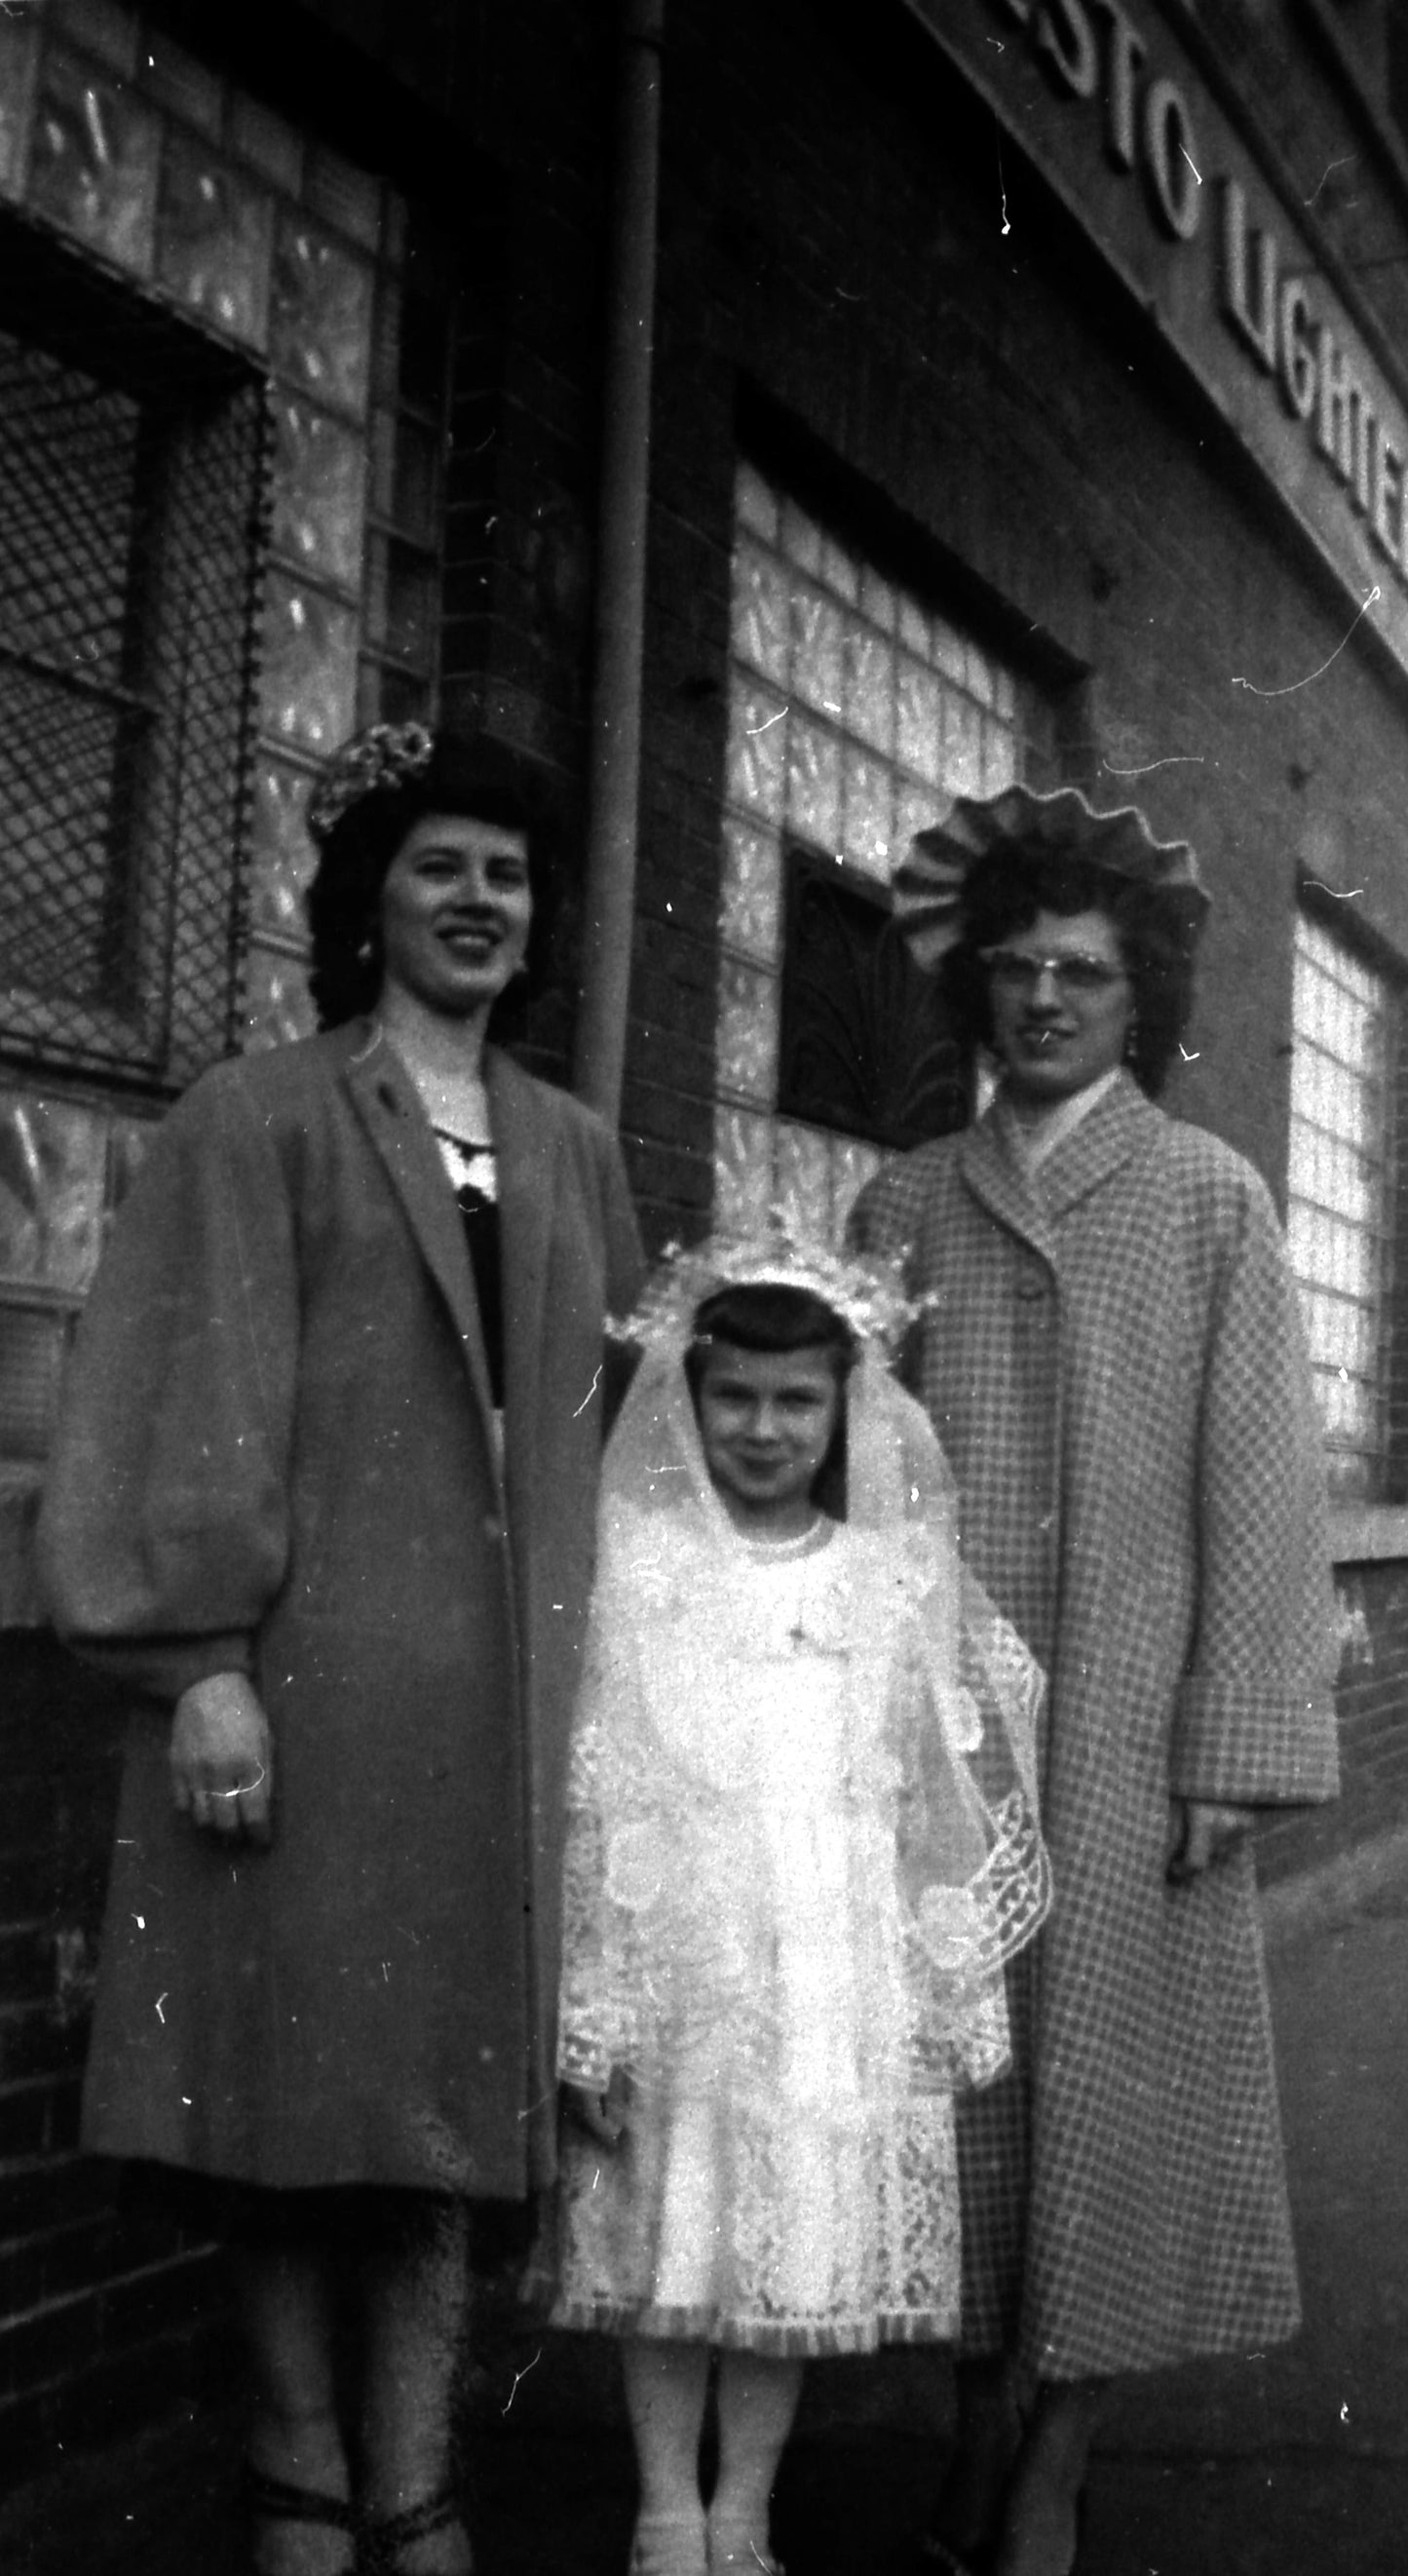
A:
(64, 1166)
(1340, 1199)
(204, 200)
(247, 275)
(856, 705)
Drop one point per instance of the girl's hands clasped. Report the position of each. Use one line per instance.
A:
(222, 1757)
(602, 2115)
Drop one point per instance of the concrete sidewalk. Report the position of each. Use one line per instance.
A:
(1290, 2464)
(1298, 2460)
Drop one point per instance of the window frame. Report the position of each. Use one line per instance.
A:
(901, 1095)
(1386, 1456)
(824, 568)
(185, 901)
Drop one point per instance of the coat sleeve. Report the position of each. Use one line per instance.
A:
(164, 1533)
(1255, 1720)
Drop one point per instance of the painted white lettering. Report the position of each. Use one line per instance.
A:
(1366, 435)
(1339, 402)
(1248, 303)
(1297, 352)
(1124, 52)
(1386, 494)
(1171, 160)
(1065, 40)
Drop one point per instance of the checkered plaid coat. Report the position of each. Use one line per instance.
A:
(1115, 1366)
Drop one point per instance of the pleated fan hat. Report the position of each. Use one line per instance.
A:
(928, 885)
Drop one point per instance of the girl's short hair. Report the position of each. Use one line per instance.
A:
(771, 1316)
(467, 774)
(1002, 895)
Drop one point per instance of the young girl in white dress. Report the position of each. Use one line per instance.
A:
(788, 1899)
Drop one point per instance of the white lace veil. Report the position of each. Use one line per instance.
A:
(941, 1700)
(973, 1861)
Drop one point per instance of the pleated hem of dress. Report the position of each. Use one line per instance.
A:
(753, 2334)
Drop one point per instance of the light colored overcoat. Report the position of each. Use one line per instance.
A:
(279, 1455)
(1114, 1363)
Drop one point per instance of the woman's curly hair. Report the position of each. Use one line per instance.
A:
(1157, 938)
(466, 774)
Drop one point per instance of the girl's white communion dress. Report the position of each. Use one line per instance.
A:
(786, 1901)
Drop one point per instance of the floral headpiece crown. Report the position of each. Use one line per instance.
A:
(867, 1293)
(382, 757)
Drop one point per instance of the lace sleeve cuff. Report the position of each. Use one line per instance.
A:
(584, 2062)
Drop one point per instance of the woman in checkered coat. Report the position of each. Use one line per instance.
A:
(1113, 1360)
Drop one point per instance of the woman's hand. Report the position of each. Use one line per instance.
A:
(602, 2115)
(222, 1757)
(1199, 1834)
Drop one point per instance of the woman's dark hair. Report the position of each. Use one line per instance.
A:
(467, 774)
(772, 1316)
(1157, 937)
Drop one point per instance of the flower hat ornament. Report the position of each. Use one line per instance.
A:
(383, 756)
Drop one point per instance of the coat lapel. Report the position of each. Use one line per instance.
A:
(389, 1106)
(1031, 1206)
(526, 1138)
(997, 1179)
(1116, 1127)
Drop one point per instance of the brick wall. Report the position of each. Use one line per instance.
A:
(110, 2311)
(1372, 1697)
(832, 262)
(112, 2306)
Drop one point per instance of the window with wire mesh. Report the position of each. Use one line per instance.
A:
(133, 459)
(861, 1048)
(1341, 1211)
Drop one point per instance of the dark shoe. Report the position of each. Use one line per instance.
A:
(384, 2541)
(272, 2500)
(982, 2559)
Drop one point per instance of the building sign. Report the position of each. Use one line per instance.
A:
(1107, 106)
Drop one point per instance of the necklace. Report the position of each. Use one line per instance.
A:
(797, 1543)
(793, 1550)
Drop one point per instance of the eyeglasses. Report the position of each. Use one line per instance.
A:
(1077, 979)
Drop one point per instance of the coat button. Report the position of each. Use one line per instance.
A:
(1032, 1281)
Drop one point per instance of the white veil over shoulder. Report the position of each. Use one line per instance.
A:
(941, 1699)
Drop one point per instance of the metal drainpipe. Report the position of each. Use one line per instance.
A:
(619, 627)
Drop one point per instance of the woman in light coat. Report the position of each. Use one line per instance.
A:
(1114, 1363)
(324, 1494)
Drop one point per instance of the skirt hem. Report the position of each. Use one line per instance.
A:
(775, 2340)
